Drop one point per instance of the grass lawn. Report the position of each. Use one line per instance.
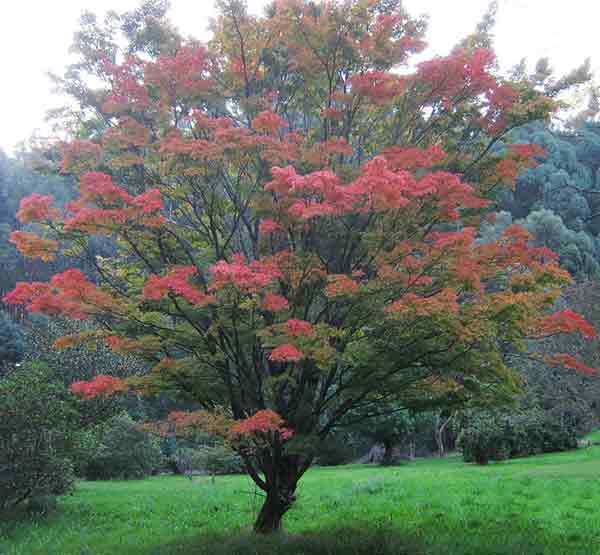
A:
(541, 505)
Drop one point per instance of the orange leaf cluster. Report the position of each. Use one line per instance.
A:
(262, 422)
(33, 246)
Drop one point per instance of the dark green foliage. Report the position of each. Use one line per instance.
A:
(124, 451)
(407, 433)
(340, 448)
(557, 200)
(11, 342)
(491, 436)
(37, 419)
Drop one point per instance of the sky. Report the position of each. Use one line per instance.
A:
(35, 36)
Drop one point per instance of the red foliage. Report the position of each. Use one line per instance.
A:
(176, 281)
(101, 386)
(569, 361)
(529, 150)
(297, 328)
(379, 188)
(269, 226)
(500, 101)
(468, 73)
(181, 76)
(378, 86)
(80, 155)
(127, 134)
(99, 187)
(247, 276)
(104, 206)
(461, 72)
(128, 89)
(445, 301)
(445, 239)
(268, 122)
(36, 208)
(286, 353)
(150, 200)
(567, 321)
(520, 157)
(412, 158)
(275, 303)
(262, 422)
(341, 284)
(67, 294)
(508, 170)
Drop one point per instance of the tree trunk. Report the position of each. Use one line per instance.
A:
(387, 453)
(270, 517)
(439, 435)
(281, 474)
(439, 438)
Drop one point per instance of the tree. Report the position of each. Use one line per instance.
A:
(295, 228)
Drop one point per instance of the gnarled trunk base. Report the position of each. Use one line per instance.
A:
(270, 517)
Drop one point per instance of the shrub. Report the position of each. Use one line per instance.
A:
(125, 452)
(215, 459)
(495, 436)
(36, 439)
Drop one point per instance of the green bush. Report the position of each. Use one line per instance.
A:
(124, 452)
(492, 436)
(37, 419)
(208, 459)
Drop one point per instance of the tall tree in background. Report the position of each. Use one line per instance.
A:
(295, 225)
(11, 343)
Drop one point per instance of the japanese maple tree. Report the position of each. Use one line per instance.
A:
(294, 211)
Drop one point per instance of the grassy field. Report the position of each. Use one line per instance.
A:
(542, 505)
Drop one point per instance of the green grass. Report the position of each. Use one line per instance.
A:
(541, 505)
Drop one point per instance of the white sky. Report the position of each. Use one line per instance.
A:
(35, 36)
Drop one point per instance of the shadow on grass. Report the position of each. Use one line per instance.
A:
(350, 541)
(358, 541)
